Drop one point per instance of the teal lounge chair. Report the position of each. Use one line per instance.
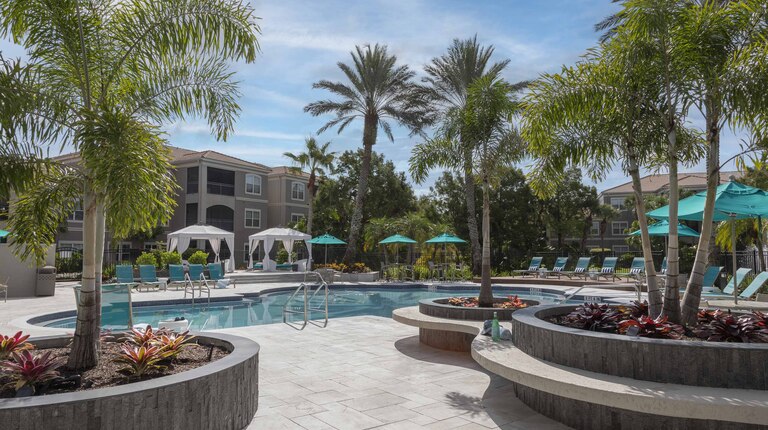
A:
(581, 268)
(637, 268)
(197, 279)
(754, 286)
(176, 275)
(217, 275)
(288, 267)
(741, 275)
(258, 266)
(559, 266)
(148, 276)
(532, 268)
(710, 277)
(124, 275)
(608, 269)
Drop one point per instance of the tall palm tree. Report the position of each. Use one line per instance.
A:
(100, 77)
(485, 119)
(317, 160)
(378, 91)
(450, 76)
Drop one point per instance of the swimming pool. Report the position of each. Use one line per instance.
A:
(268, 308)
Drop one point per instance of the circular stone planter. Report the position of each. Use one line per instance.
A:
(706, 364)
(441, 309)
(221, 395)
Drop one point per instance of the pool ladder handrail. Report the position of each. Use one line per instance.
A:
(306, 310)
(189, 285)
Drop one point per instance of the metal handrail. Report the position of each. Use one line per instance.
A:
(306, 309)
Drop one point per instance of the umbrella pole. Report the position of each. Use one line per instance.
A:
(733, 254)
(326, 255)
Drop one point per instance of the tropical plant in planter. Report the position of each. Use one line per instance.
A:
(719, 326)
(512, 302)
(594, 317)
(11, 344)
(28, 370)
(646, 326)
(142, 359)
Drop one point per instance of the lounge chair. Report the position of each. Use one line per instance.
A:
(608, 269)
(124, 275)
(581, 268)
(559, 266)
(148, 277)
(176, 275)
(288, 267)
(710, 277)
(727, 292)
(258, 266)
(216, 274)
(637, 268)
(533, 268)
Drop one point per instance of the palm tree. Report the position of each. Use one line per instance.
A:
(449, 76)
(486, 119)
(101, 76)
(317, 160)
(378, 91)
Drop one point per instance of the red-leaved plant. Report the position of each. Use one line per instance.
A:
(658, 328)
(173, 343)
(26, 369)
(140, 360)
(595, 317)
(718, 326)
(139, 337)
(11, 344)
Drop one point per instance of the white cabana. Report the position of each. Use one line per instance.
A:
(287, 235)
(179, 240)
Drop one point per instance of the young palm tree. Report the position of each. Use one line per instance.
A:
(318, 161)
(450, 76)
(378, 91)
(486, 119)
(101, 76)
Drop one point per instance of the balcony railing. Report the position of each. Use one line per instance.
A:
(221, 188)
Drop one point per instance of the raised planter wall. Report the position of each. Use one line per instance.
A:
(220, 395)
(706, 364)
(440, 308)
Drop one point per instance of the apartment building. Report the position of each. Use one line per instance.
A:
(216, 189)
(615, 234)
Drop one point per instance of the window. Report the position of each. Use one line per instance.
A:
(297, 191)
(193, 179)
(221, 182)
(620, 249)
(124, 251)
(617, 202)
(77, 214)
(595, 230)
(247, 252)
(220, 216)
(618, 228)
(252, 218)
(151, 246)
(191, 215)
(296, 217)
(252, 184)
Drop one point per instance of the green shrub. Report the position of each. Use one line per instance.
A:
(199, 257)
(188, 253)
(282, 256)
(167, 258)
(625, 260)
(146, 258)
(108, 273)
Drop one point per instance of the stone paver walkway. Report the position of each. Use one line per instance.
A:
(372, 372)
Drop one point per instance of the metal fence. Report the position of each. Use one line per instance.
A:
(746, 259)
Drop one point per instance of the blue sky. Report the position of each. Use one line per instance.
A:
(302, 41)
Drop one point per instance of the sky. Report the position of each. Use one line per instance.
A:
(302, 41)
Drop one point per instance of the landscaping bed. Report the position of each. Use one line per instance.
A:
(466, 308)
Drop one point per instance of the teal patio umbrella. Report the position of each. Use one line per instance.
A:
(445, 239)
(4, 235)
(326, 240)
(661, 228)
(397, 239)
(733, 200)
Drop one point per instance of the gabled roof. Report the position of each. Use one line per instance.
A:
(654, 184)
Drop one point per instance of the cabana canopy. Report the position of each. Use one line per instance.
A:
(180, 240)
(287, 235)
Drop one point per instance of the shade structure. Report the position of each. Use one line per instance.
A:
(4, 233)
(733, 200)
(661, 228)
(326, 240)
(397, 239)
(287, 235)
(180, 240)
(446, 238)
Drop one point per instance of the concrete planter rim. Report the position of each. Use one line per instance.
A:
(242, 350)
(433, 302)
(533, 316)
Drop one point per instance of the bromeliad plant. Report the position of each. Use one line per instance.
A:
(11, 344)
(173, 343)
(594, 317)
(658, 328)
(26, 369)
(717, 326)
(139, 337)
(142, 359)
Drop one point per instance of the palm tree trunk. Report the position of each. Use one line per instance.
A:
(671, 307)
(655, 300)
(474, 236)
(99, 263)
(369, 139)
(84, 352)
(692, 297)
(486, 293)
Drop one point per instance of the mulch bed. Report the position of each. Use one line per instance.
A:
(108, 372)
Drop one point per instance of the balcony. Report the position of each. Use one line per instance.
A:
(221, 188)
(222, 223)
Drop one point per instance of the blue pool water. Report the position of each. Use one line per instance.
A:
(268, 308)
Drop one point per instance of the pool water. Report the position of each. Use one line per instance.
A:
(268, 308)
